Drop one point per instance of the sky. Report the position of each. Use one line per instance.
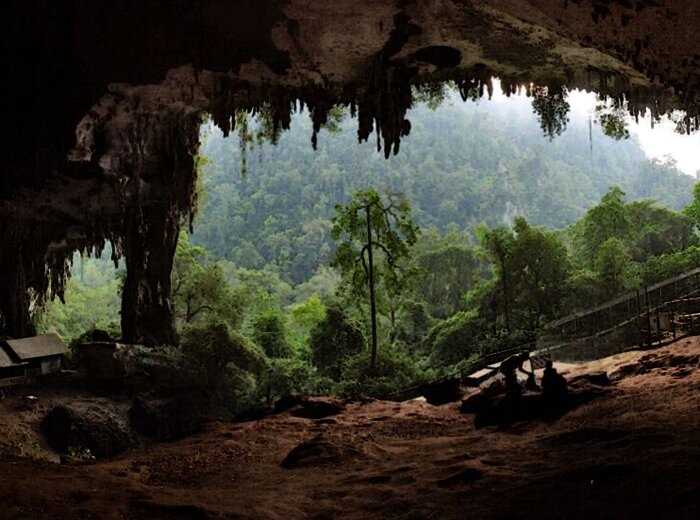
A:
(660, 142)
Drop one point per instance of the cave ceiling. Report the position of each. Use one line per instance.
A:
(105, 99)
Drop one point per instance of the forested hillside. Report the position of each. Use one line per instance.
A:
(481, 231)
(463, 164)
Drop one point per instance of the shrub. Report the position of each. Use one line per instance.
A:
(221, 360)
(395, 371)
(334, 339)
(294, 377)
(414, 323)
(270, 334)
(454, 339)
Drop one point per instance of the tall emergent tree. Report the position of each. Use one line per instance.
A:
(497, 244)
(373, 224)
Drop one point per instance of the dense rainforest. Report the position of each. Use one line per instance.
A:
(482, 229)
(462, 164)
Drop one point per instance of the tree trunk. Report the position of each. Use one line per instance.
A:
(372, 297)
(150, 242)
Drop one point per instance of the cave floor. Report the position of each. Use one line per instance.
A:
(633, 453)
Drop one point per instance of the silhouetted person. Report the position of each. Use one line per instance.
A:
(509, 368)
(531, 383)
(554, 387)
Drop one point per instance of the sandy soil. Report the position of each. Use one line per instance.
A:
(633, 453)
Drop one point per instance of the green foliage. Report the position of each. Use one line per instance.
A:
(467, 163)
(540, 269)
(692, 210)
(612, 264)
(670, 264)
(432, 95)
(497, 245)
(604, 221)
(656, 230)
(217, 356)
(258, 290)
(200, 290)
(304, 317)
(552, 109)
(413, 323)
(270, 334)
(375, 235)
(454, 339)
(333, 340)
(296, 377)
(92, 301)
(447, 270)
(392, 372)
(388, 219)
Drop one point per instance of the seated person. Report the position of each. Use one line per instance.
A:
(509, 368)
(554, 386)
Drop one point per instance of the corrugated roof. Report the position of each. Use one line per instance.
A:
(37, 347)
(5, 360)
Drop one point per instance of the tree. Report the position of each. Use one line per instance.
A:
(656, 230)
(304, 317)
(371, 224)
(497, 244)
(454, 339)
(612, 263)
(531, 267)
(692, 210)
(609, 219)
(270, 334)
(541, 267)
(446, 274)
(209, 348)
(200, 290)
(333, 340)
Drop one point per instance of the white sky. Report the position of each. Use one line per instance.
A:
(660, 142)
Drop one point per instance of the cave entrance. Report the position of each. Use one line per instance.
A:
(143, 165)
(267, 198)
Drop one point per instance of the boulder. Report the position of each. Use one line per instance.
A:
(287, 402)
(98, 430)
(318, 408)
(98, 361)
(254, 413)
(319, 451)
(624, 371)
(166, 419)
(442, 392)
(595, 378)
(474, 402)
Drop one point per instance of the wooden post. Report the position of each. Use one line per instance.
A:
(639, 319)
(672, 314)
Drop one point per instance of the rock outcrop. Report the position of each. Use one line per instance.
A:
(91, 430)
(166, 419)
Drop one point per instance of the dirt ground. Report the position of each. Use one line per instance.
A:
(633, 453)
